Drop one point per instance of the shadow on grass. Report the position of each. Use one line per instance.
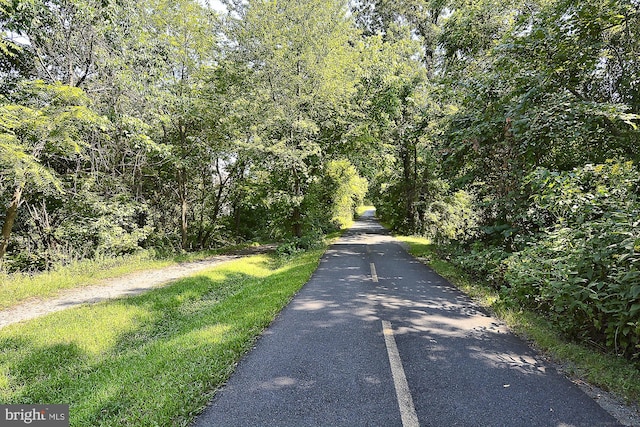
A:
(166, 364)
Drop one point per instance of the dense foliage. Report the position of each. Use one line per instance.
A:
(584, 268)
(162, 125)
(505, 130)
(519, 149)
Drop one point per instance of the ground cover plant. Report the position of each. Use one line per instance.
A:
(153, 359)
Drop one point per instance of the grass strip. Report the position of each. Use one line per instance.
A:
(19, 287)
(604, 370)
(152, 359)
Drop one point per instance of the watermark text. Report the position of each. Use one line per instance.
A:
(34, 415)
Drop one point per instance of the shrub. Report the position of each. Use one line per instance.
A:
(451, 216)
(346, 191)
(484, 263)
(584, 269)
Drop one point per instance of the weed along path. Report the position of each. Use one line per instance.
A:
(376, 338)
(131, 284)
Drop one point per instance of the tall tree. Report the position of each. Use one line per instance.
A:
(184, 32)
(423, 17)
(302, 65)
(41, 124)
(537, 96)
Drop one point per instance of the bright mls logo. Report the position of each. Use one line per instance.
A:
(34, 415)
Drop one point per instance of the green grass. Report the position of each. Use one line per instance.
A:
(604, 370)
(17, 288)
(153, 359)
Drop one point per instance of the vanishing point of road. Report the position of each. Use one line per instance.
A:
(376, 338)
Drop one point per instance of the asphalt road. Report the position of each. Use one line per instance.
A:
(376, 338)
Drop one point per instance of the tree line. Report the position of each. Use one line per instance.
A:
(504, 130)
(163, 124)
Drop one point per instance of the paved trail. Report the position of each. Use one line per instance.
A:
(377, 339)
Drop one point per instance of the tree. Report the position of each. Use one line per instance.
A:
(527, 92)
(422, 17)
(344, 191)
(394, 92)
(184, 32)
(62, 40)
(302, 77)
(539, 98)
(43, 123)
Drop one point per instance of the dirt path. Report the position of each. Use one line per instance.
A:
(131, 284)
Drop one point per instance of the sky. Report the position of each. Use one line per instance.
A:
(216, 5)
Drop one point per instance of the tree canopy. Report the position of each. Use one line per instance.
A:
(506, 131)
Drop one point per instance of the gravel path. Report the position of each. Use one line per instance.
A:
(131, 284)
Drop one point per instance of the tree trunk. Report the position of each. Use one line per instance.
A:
(10, 218)
(296, 216)
(184, 206)
(297, 222)
(408, 177)
(237, 216)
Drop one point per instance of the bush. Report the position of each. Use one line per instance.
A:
(584, 269)
(440, 214)
(449, 217)
(309, 241)
(346, 191)
(105, 227)
(484, 263)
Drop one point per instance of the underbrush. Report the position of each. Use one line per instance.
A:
(580, 267)
(318, 239)
(570, 253)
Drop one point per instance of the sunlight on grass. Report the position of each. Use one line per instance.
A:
(152, 359)
(424, 249)
(210, 334)
(52, 330)
(16, 288)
